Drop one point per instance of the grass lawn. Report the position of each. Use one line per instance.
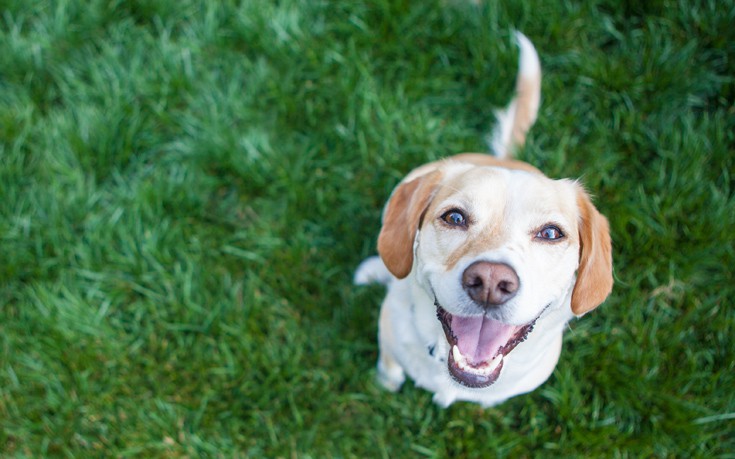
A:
(186, 188)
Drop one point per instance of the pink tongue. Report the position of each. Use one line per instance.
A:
(479, 338)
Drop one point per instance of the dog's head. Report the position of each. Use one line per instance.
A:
(496, 247)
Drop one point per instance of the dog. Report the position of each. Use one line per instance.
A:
(485, 260)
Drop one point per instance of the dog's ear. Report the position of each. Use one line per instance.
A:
(594, 276)
(401, 219)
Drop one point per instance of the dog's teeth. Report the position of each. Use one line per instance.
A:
(459, 359)
(495, 362)
(483, 370)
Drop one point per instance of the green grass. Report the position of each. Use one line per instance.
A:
(186, 188)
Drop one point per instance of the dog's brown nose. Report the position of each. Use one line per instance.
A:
(490, 284)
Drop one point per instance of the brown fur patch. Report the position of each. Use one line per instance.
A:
(594, 276)
(401, 220)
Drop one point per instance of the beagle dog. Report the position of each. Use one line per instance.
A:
(485, 260)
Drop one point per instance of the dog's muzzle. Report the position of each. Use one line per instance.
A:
(478, 345)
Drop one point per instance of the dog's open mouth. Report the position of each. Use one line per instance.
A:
(478, 346)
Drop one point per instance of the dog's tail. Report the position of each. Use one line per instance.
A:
(517, 118)
(372, 270)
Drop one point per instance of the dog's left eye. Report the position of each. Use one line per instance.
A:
(454, 217)
(550, 233)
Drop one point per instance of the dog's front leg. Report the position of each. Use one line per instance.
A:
(390, 373)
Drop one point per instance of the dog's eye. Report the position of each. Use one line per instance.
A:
(454, 217)
(549, 233)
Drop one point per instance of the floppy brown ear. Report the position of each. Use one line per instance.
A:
(594, 276)
(401, 219)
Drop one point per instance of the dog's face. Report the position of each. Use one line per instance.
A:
(496, 248)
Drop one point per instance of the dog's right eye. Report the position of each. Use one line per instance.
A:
(454, 217)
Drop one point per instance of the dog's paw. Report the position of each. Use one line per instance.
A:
(390, 377)
(443, 399)
(372, 270)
